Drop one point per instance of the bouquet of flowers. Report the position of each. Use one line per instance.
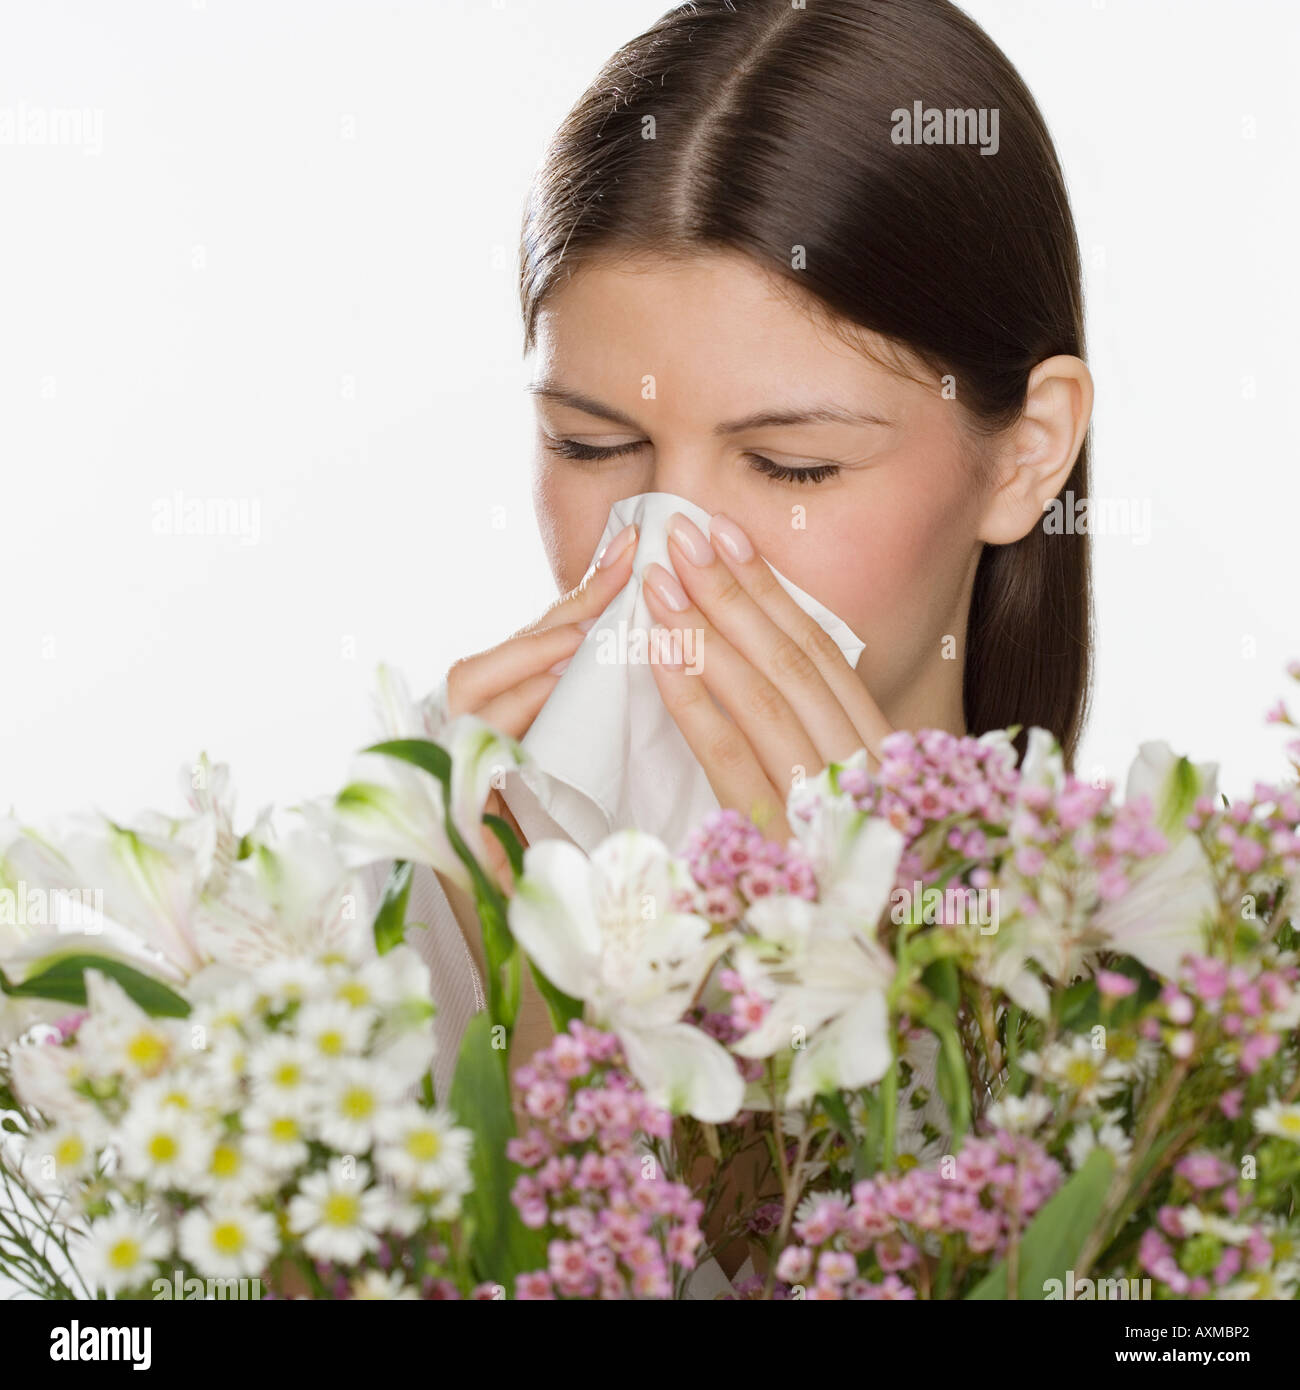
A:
(979, 1030)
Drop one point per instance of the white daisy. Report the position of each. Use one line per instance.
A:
(161, 1144)
(334, 1030)
(338, 1217)
(292, 980)
(1279, 1119)
(375, 1285)
(229, 1240)
(1085, 1139)
(1091, 1073)
(284, 1072)
(228, 1172)
(422, 1148)
(1276, 1284)
(274, 1136)
(1019, 1114)
(353, 1098)
(122, 1251)
(63, 1153)
(1195, 1222)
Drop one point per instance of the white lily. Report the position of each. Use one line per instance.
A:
(1163, 915)
(603, 930)
(819, 964)
(394, 810)
(284, 901)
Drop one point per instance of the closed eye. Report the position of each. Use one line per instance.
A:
(594, 453)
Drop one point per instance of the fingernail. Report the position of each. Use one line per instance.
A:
(559, 666)
(691, 539)
(731, 537)
(666, 587)
(615, 547)
(587, 624)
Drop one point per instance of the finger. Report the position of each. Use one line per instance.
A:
(722, 751)
(474, 681)
(758, 708)
(749, 628)
(756, 578)
(513, 711)
(609, 572)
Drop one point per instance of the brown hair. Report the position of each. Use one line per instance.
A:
(762, 127)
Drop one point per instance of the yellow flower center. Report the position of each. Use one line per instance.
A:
(69, 1151)
(340, 1209)
(163, 1148)
(354, 992)
(330, 1043)
(124, 1253)
(358, 1103)
(284, 1130)
(1289, 1122)
(228, 1238)
(225, 1161)
(288, 1074)
(1080, 1072)
(147, 1051)
(424, 1144)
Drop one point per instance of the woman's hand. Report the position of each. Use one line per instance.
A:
(794, 701)
(507, 685)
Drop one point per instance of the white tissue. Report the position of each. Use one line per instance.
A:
(605, 753)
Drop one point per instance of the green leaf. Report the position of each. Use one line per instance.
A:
(390, 920)
(950, 1066)
(941, 979)
(64, 979)
(431, 757)
(504, 832)
(501, 1246)
(1053, 1240)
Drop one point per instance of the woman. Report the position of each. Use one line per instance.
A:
(811, 266)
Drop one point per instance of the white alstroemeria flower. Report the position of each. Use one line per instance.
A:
(228, 1240)
(44, 1078)
(121, 1250)
(1163, 915)
(149, 885)
(1171, 783)
(1157, 920)
(394, 810)
(338, 1216)
(819, 964)
(287, 900)
(604, 931)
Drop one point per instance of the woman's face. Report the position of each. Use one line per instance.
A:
(700, 378)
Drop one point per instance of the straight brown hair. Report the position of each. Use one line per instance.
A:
(768, 127)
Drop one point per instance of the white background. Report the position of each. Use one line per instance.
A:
(286, 278)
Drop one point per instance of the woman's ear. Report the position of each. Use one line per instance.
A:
(1033, 458)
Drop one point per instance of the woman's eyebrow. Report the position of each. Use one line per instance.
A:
(828, 414)
(809, 415)
(564, 396)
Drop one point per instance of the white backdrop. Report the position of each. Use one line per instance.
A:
(269, 261)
